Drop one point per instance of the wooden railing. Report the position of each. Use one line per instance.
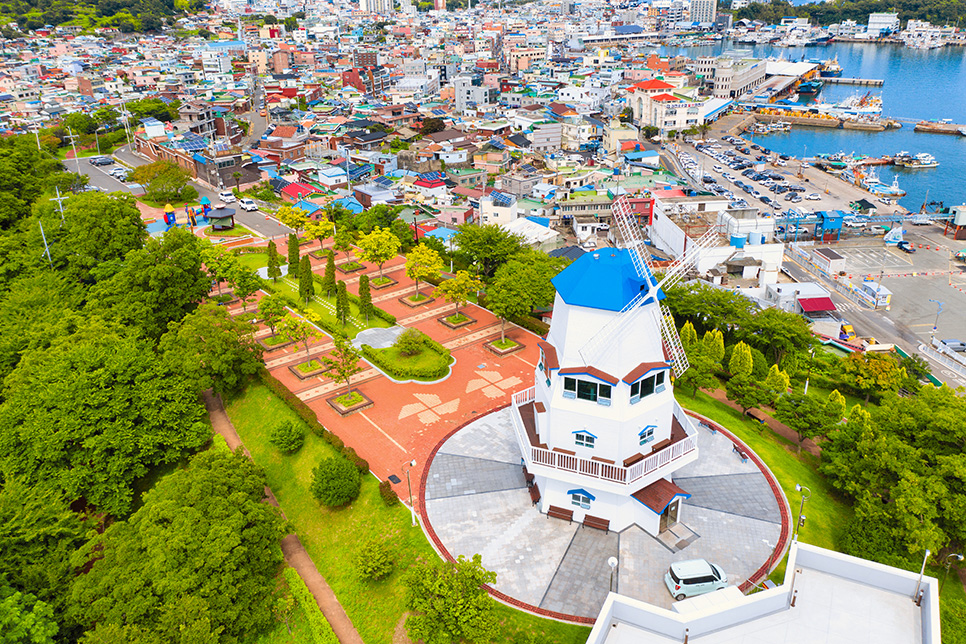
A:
(598, 469)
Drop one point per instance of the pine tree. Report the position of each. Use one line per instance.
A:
(365, 297)
(689, 336)
(306, 287)
(293, 253)
(273, 268)
(341, 303)
(328, 279)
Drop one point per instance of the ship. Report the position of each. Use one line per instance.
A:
(810, 87)
(921, 160)
(832, 69)
(870, 181)
(867, 106)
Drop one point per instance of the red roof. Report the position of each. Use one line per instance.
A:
(423, 183)
(299, 190)
(816, 304)
(590, 371)
(665, 98)
(642, 369)
(653, 84)
(659, 494)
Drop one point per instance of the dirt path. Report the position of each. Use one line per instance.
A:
(779, 428)
(295, 554)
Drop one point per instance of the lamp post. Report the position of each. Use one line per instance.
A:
(806, 495)
(412, 508)
(939, 309)
(915, 596)
(612, 562)
(948, 562)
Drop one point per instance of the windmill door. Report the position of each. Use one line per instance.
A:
(670, 515)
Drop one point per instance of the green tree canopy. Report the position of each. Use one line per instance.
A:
(99, 231)
(164, 181)
(489, 245)
(422, 264)
(448, 601)
(458, 289)
(378, 247)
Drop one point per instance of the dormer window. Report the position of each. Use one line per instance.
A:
(646, 435)
(653, 384)
(597, 392)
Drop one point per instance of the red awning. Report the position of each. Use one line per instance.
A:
(816, 304)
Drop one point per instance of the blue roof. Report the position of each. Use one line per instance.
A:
(603, 279)
(543, 221)
(442, 233)
(308, 206)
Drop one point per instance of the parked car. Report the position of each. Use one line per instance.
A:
(248, 204)
(906, 247)
(955, 345)
(694, 577)
(101, 160)
(813, 197)
(226, 196)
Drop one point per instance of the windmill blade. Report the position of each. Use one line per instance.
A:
(595, 349)
(689, 259)
(623, 216)
(671, 341)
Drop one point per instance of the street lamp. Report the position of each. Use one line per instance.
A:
(949, 560)
(922, 571)
(806, 495)
(939, 309)
(412, 508)
(811, 359)
(612, 562)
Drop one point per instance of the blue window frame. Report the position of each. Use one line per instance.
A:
(650, 385)
(581, 498)
(584, 438)
(647, 434)
(597, 392)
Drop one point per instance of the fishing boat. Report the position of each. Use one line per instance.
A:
(870, 182)
(921, 160)
(856, 106)
(810, 87)
(832, 69)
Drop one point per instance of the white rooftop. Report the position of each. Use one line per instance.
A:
(838, 599)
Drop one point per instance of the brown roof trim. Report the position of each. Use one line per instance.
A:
(550, 352)
(641, 369)
(591, 371)
(659, 494)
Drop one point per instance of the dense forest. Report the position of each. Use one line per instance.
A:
(941, 12)
(126, 15)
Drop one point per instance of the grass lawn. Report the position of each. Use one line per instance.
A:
(351, 266)
(237, 231)
(273, 340)
(379, 281)
(423, 360)
(457, 318)
(506, 343)
(334, 536)
(350, 399)
(258, 260)
(311, 365)
(417, 297)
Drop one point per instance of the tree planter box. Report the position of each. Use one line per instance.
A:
(305, 375)
(350, 267)
(227, 301)
(491, 346)
(412, 305)
(273, 347)
(365, 403)
(389, 283)
(467, 320)
(318, 255)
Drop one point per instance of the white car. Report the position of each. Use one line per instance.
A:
(248, 204)
(813, 197)
(226, 196)
(717, 168)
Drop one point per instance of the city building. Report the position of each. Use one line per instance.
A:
(730, 78)
(470, 92)
(704, 10)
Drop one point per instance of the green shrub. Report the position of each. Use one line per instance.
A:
(288, 437)
(322, 632)
(302, 410)
(334, 441)
(335, 482)
(361, 464)
(389, 496)
(373, 561)
(410, 342)
(379, 358)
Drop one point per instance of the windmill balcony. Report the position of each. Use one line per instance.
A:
(638, 471)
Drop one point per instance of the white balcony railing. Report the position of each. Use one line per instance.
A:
(597, 469)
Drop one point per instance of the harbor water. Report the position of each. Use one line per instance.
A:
(919, 85)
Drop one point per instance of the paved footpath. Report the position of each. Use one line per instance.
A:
(295, 554)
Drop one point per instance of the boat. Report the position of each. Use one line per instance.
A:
(832, 69)
(870, 181)
(810, 87)
(921, 160)
(856, 106)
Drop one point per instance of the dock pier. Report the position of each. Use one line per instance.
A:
(872, 82)
(940, 128)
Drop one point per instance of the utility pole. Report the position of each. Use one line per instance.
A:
(59, 199)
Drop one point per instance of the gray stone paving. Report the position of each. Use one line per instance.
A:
(459, 475)
(377, 338)
(583, 576)
(560, 566)
(745, 494)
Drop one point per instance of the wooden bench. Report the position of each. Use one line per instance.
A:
(560, 513)
(534, 494)
(741, 455)
(597, 522)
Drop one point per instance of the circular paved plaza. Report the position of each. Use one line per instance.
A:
(475, 500)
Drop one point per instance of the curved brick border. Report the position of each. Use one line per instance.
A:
(762, 572)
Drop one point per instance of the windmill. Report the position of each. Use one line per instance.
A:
(598, 348)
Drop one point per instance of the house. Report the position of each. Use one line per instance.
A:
(498, 208)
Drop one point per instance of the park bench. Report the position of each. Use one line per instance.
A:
(560, 513)
(741, 454)
(597, 522)
(534, 494)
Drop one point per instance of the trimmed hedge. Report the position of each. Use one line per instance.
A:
(322, 632)
(389, 496)
(378, 358)
(305, 412)
(249, 250)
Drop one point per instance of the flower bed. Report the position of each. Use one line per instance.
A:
(310, 369)
(350, 403)
(456, 321)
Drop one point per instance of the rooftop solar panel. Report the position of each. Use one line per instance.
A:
(501, 199)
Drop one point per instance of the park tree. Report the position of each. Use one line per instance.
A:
(423, 264)
(741, 363)
(274, 262)
(106, 115)
(272, 309)
(292, 217)
(343, 362)
(701, 373)
(489, 245)
(776, 333)
(510, 296)
(293, 253)
(245, 283)
(179, 556)
(212, 349)
(833, 411)
(328, 277)
(319, 229)
(99, 231)
(341, 303)
(431, 126)
(220, 263)
(335, 482)
(164, 181)
(299, 330)
(689, 337)
(458, 289)
(365, 297)
(157, 284)
(448, 601)
(872, 373)
(776, 382)
(410, 342)
(136, 413)
(306, 280)
(713, 343)
(378, 247)
(536, 269)
(343, 242)
(80, 123)
(802, 413)
(25, 619)
(709, 308)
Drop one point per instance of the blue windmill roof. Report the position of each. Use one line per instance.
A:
(603, 279)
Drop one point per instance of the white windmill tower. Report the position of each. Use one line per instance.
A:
(600, 430)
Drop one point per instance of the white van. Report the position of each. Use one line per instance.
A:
(694, 577)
